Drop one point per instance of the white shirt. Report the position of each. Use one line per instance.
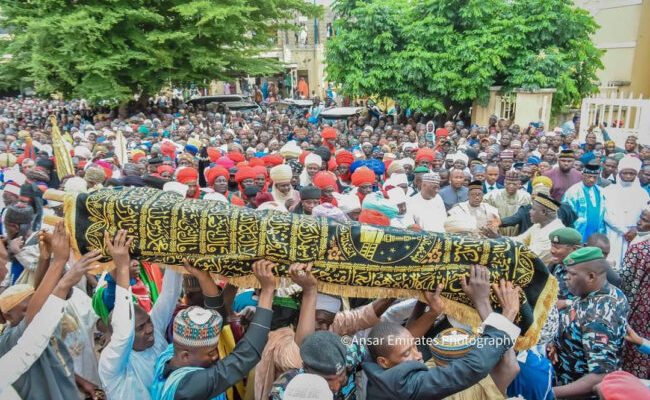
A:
(430, 215)
(128, 374)
(30, 346)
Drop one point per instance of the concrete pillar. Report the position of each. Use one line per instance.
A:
(533, 106)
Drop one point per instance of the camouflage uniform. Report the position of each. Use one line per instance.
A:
(356, 353)
(591, 336)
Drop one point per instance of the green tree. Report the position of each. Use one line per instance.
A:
(434, 54)
(113, 49)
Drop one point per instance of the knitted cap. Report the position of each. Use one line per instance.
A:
(324, 353)
(197, 327)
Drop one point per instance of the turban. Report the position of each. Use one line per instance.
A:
(95, 175)
(395, 167)
(165, 168)
(7, 160)
(373, 217)
(629, 162)
(272, 160)
(425, 154)
(328, 303)
(263, 197)
(108, 169)
(303, 156)
(344, 157)
(328, 133)
(281, 174)
(244, 173)
(136, 155)
(225, 162)
(197, 327)
(407, 161)
(442, 132)
(395, 195)
(75, 185)
(310, 193)
(236, 156)
(329, 211)
(542, 180)
(192, 149)
(14, 295)
(290, 149)
(256, 162)
(533, 160)
(313, 159)
(376, 201)
(376, 166)
(348, 202)
(187, 175)
(324, 179)
(260, 170)
(363, 175)
(213, 173)
(356, 164)
(168, 149)
(214, 154)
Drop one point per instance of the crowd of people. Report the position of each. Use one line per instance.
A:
(581, 204)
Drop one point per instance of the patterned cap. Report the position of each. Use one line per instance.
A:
(567, 154)
(546, 201)
(507, 155)
(512, 175)
(591, 169)
(450, 344)
(197, 327)
(475, 185)
(431, 177)
(582, 255)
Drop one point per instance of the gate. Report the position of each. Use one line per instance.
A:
(623, 114)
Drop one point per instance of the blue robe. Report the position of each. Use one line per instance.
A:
(590, 209)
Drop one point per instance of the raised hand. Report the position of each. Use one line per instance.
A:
(60, 243)
(263, 271)
(301, 274)
(84, 265)
(434, 299)
(44, 245)
(508, 296)
(119, 248)
(478, 289)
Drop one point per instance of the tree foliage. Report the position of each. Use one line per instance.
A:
(113, 49)
(432, 54)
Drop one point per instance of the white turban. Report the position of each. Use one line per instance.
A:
(629, 162)
(328, 303)
(397, 196)
(313, 159)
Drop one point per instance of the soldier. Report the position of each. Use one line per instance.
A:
(563, 242)
(592, 330)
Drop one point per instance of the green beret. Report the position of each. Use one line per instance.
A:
(568, 236)
(421, 170)
(582, 255)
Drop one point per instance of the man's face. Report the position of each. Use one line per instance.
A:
(610, 167)
(491, 175)
(260, 181)
(365, 188)
(644, 175)
(556, 141)
(512, 186)
(578, 280)
(475, 197)
(312, 169)
(589, 180)
(506, 138)
(324, 319)
(144, 337)
(627, 175)
(201, 357)
(402, 350)
(16, 314)
(308, 205)
(643, 225)
(591, 139)
(457, 179)
(480, 176)
(566, 164)
(526, 173)
(221, 184)
(506, 164)
(429, 189)
(192, 188)
(283, 188)
(630, 145)
(560, 251)
(537, 213)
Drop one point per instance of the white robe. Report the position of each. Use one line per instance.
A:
(430, 215)
(623, 207)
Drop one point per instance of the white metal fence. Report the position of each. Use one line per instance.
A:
(622, 113)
